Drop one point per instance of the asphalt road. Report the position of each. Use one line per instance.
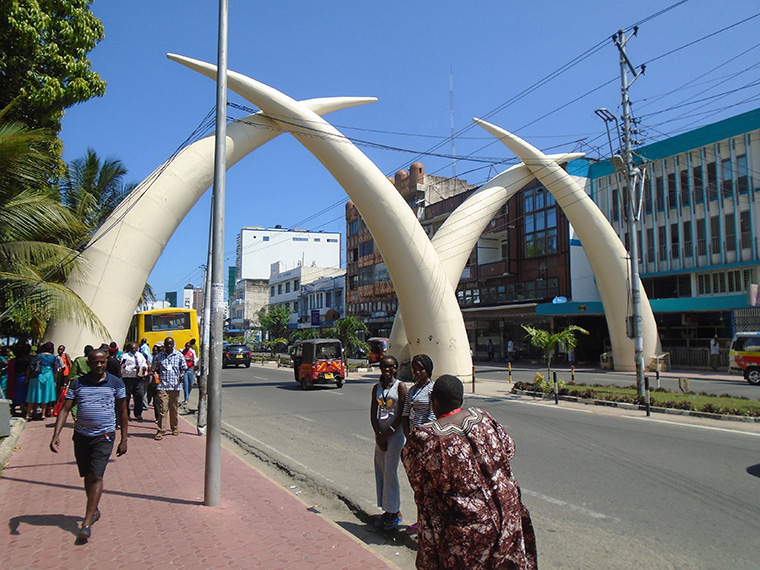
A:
(605, 490)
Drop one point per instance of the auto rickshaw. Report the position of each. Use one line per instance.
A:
(319, 361)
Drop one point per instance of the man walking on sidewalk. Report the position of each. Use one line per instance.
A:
(133, 371)
(171, 367)
(98, 396)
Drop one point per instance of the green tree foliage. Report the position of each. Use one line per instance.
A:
(34, 228)
(304, 334)
(43, 59)
(548, 341)
(274, 320)
(347, 331)
(92, 188)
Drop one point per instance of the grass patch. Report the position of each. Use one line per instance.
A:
(702, 402)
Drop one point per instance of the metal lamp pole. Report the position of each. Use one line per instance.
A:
(212, 488)
(633, 204)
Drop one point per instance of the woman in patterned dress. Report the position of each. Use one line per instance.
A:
(469, 510)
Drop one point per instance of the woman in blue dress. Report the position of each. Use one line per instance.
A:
(41, 390)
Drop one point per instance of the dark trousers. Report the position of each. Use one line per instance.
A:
(136, 390)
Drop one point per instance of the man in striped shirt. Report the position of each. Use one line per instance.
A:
(98, 396)
(171, 367)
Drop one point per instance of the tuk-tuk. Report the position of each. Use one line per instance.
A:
(378, 348)
(319, 361)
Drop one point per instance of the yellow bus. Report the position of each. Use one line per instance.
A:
(157, 324)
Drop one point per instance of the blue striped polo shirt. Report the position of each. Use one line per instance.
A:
(96, 403)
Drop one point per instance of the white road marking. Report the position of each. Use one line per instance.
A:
(260, 378)
(575, 508)
(303, 418)
(711, 428)
(363, 438)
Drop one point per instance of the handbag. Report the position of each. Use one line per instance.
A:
(35, 367)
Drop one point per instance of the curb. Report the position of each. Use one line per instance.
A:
(8, 444)
(639, 407)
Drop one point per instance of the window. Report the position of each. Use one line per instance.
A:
(271, 291)
(317, 239)
(296, 284)
(701, 237)
(650, 245)
(685, 195)
(300, 239)
(746, 231)
(662, 243)
(647, 189)
(366, 275)
(674, 253)
(265, 238)
(366, 248)
(332, 240)
(714, 234)
(353, 227)
(295, 306)
(615, 206)
(287, 287)
(712, 182)
(699, 191)
(730, 232)
(688, 250)
(381, 273)
(727, 177)
(742, 170)
(540, 222)
(672, 195)
(279, 289)
(658, 197)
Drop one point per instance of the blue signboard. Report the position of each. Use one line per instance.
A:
(315, 317)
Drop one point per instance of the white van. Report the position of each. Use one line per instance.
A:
(744, 356)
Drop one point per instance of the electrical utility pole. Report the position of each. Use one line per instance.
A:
(212, 486)
(634, 195)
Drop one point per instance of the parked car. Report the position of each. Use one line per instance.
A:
(319, 361)
(378, 348)
(744, 356)
(235, 355)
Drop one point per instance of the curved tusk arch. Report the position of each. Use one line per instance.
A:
(459, 233)
(434, 320)
(606, 253)
(119, 258)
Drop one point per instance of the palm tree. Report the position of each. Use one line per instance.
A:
(92, 188)
(548, 341)
(347, 331)
(34, 228)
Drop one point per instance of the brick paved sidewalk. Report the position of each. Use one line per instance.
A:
(153, 514)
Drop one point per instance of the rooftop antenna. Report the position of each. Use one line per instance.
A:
(451, 115)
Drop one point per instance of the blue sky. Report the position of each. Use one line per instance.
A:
(505, 59)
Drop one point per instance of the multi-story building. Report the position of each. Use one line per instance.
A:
(258, 248)
(322, 302)
(193, 298)
(700, 216)
(369, 292)
(285, 286)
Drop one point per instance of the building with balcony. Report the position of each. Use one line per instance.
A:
(322, 302)
(285, 286)
(700, 216)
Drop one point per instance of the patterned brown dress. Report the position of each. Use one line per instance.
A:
(469, 511)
